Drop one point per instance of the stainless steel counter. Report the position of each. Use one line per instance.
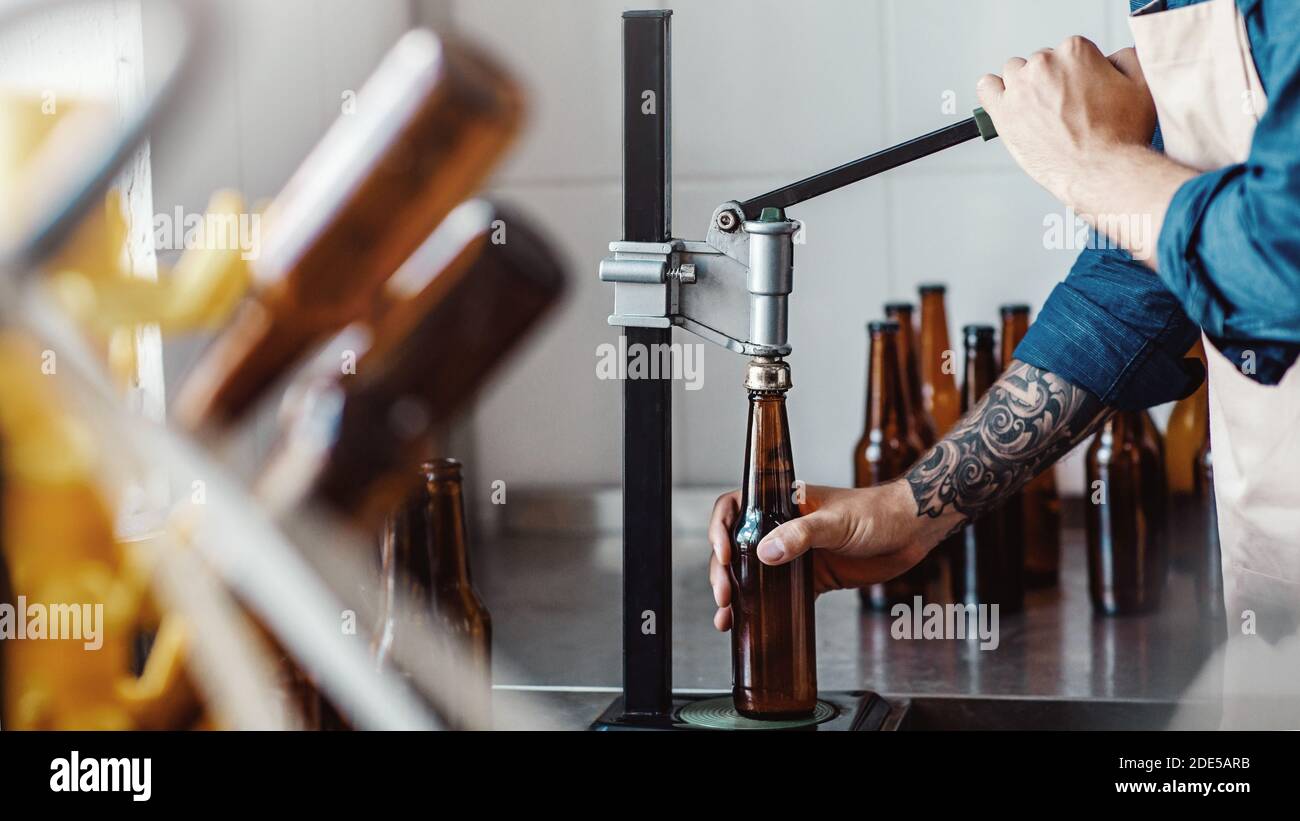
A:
(556, 608)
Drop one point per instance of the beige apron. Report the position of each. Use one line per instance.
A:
(1198, 64)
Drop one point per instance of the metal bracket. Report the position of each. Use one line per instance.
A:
(730, 289)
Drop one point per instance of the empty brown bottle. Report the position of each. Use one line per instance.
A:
(773, 631)
(436, 118)
(937, 361)
(425, 584)
(888, 447)
(425, 559)
(438, 329)
(987, 567)
(1124, 517)
(1037, 523)
(909, 373)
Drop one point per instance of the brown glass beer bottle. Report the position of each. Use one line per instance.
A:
(440, 117)
(1038, 525)
(425, 554)
(437, 330)
(938, 385)
(888, 447)
(1126, 561)
(987, 567)
(773, 633)
(909, 374)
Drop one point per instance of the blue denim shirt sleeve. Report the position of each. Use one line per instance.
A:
(1229, 258)
(1113, 328)
(1230, 245)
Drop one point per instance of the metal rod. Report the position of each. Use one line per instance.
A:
(647, 403)
(860, 169)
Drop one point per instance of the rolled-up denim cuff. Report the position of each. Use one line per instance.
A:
(1081, 342)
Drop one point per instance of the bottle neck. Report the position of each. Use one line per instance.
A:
(885, 398)
(1014, 328)
(769, 462)
(909, 374)
(934, 339)
(979, 374)
(445, 512)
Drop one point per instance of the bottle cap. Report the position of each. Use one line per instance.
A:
(767, 374)
(896, 307)
(932, 288)
(882, 326)
(1017, 308)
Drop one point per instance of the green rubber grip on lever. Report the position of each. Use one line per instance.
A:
(985, 124)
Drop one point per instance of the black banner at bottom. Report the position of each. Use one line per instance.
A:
(215, 771)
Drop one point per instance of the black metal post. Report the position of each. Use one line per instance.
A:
(647, 403)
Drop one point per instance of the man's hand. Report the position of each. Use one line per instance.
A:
(1063, 109)
(858, 537)
(1080, 124)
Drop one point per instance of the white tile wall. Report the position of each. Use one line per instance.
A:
(568, 54)
(773, 87)
(938, 49)
(547, 419)
(765, 92)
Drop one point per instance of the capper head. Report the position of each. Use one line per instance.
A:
(766, 374)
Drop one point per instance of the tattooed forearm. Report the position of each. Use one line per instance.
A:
(1027, 420)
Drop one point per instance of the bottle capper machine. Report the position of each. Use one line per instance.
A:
(732, 289)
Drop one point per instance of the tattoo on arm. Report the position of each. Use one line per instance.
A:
(1027, 420)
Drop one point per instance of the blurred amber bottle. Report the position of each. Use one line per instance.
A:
(888, 447)
(1125, 517)
(425, 560)
(987, 567)
(430, 125)
(436, 331)
(1188, 427)
(1188, 430)
(425, 585)
(938, 384)
(1034, 516)
(773, 631)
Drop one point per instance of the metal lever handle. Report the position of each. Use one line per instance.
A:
(980, 125)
